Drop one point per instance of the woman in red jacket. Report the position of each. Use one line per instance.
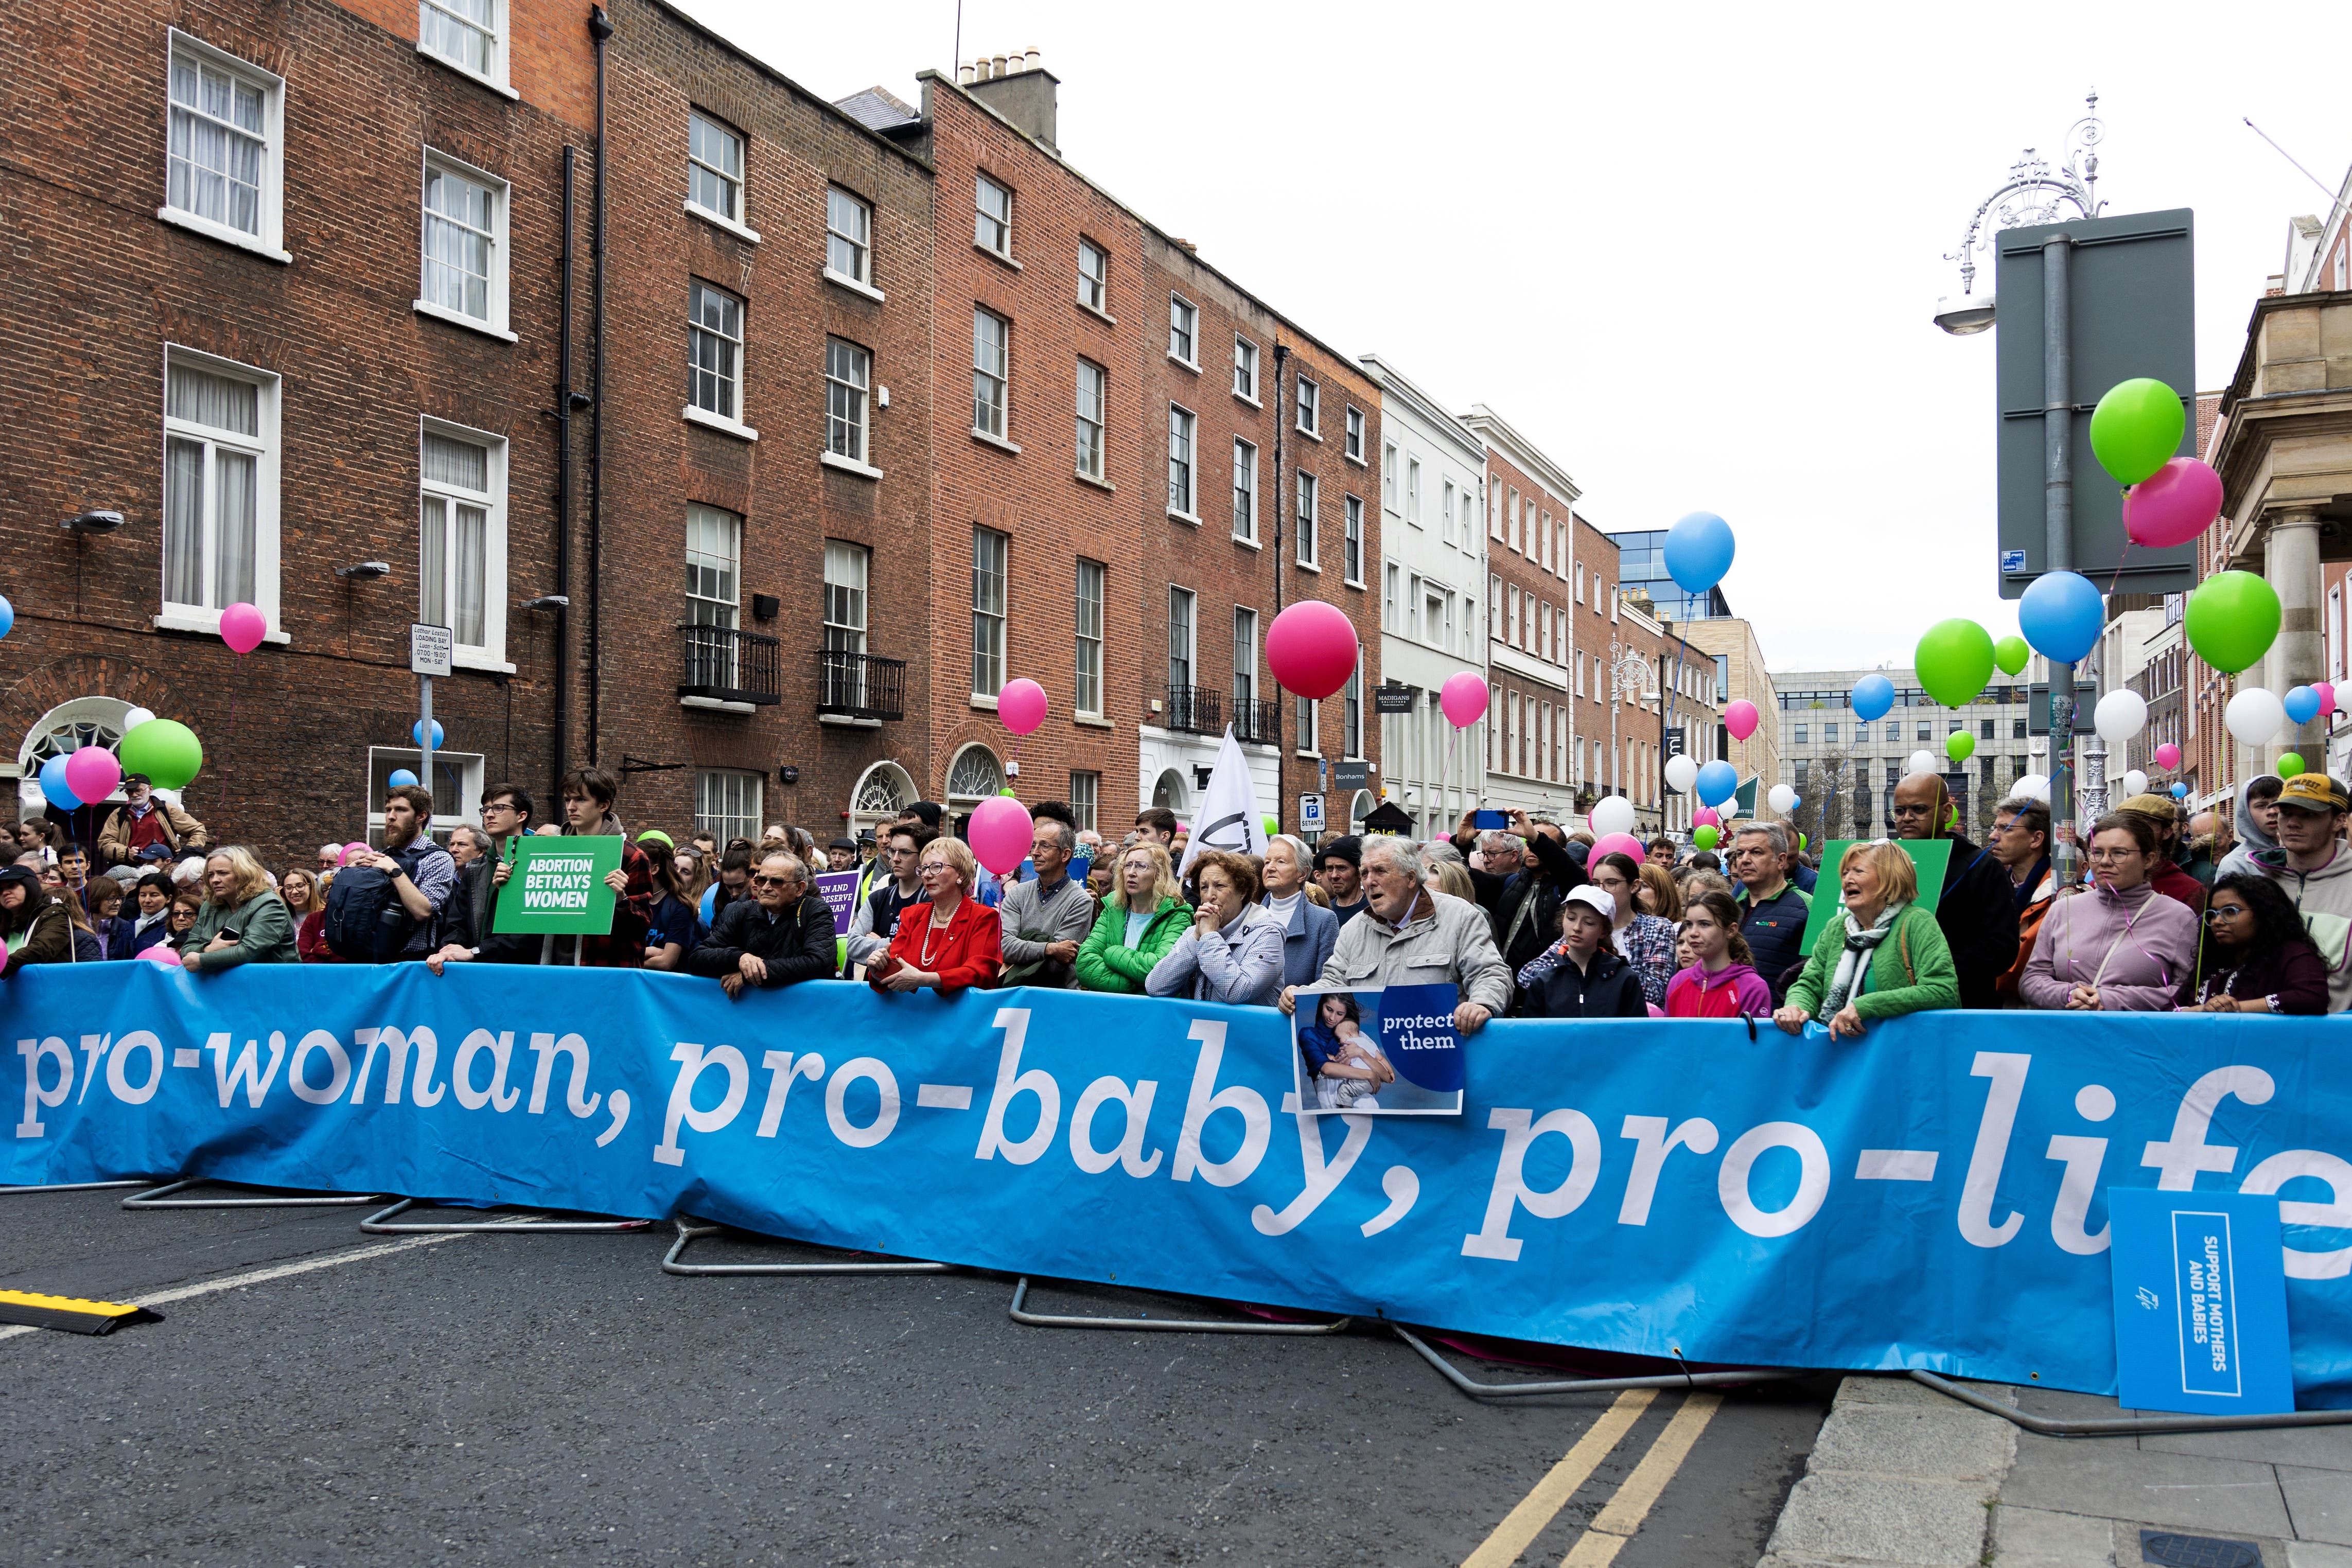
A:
(953, 941)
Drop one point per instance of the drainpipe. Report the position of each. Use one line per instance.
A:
(564, 398)
(600, 27)
(1281, 506)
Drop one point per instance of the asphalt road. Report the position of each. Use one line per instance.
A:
(533, 1399)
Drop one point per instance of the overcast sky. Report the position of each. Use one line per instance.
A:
(1692, 252)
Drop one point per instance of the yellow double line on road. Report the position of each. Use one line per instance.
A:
(1622, 1515)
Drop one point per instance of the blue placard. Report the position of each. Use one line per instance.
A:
(2201, 1302)
(1417, 1032)
(2012, 561)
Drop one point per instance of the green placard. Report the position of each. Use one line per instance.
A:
(558, 886)
(1929, 856)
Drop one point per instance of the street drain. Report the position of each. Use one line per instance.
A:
(2198, 1551)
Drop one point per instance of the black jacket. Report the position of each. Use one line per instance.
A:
(1555, 989)
(797, 945)
(1501, 898)
(466, 918)
(1978, 914)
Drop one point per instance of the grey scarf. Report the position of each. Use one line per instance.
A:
(1853, 963)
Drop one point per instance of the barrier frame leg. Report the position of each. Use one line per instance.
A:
(1477, 1390)
(76, 1186)
(382, 1223)
(1162, 1325)
(688, 1234)
(159, 1197)
(2130, 1425)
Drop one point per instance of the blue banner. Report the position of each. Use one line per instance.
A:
(1931, 1196)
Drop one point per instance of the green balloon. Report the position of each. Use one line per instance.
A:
(2012, 653)
(1954, 661)
(1959, 745)
(1801, 844)
(164, 749)
(2231, 620)
(2289, 765)
(2136, 430)
(1273, 826)
(1705, 836)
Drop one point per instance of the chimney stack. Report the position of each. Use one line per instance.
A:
(1019, 87)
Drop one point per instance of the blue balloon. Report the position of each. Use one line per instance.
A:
(53, 783)
(2179, 791)
(2062, 614)
(7, 617)
(1716, 782)
(1795, 802)
(1873, 695)
(1698, 551)
(2301, 704)
(401, 778)
(417, 735)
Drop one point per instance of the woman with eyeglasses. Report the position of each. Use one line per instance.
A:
(2257, 957)
(1644, 940)
(952, 941)
(1881, 955)
(2118, 946)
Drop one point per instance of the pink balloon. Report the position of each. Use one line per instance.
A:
(92, 773)
(242, 627)
(2173, 505)
(2326, 690)
(1618, 844)
(162, 957)
(1000, 834)
(1311, 648)
(1706, 817)
(1740, 718)
(1022, 706)
(356, 848)
(2167, 756)
(1463, 700)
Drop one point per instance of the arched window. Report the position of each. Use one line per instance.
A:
(975, 775)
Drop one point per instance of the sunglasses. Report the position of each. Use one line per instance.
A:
(771, 881)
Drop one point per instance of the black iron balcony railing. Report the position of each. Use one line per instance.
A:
(1258, 723)
(728, 664)
(1196, 710)
(860, 685)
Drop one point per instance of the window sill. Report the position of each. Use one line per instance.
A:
(842, 280)
(207, 622)
(1357, 459)
(724, 425)
(1092, 721)
(1244, 397)
(1185, 517)
(1103, 316)
(996, 256)
(1105, 486)
(985, 704)
(471, 75)
(1311, 565)
(1188, 364)
(457, 319)
(462, 660)
(743, 231)
(1314, 436)
(718, 705)
(1313, 756)
(996, 441)
(221, 232)
(1351, 583)
(849, 721)
(849, 465)
(1246, 541)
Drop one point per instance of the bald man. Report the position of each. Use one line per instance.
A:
(1977, 909)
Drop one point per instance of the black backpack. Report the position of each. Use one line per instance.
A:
(366, 923)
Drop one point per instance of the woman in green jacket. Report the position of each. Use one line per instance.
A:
(33, 922)
(243, 921)
(1881, 957)
(1143, 918)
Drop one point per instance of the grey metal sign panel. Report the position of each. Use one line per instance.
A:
(2132, 313)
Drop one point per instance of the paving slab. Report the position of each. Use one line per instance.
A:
(1895, 1388)
(1836, 1516)
(2113, 1481)
(2311, 1447)
(2037, 1538)
(2317, 1554)
(2320, 1503)
(1952, 1444)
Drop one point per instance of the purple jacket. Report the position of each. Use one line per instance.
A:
(2144, 943)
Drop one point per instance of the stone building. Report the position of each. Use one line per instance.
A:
(1844, 769)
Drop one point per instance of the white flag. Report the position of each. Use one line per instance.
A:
(1228, 818)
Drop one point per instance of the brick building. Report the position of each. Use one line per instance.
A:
(327, 332)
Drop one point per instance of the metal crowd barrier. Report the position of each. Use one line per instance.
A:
(160, 1197)
(383, 1223)
(75, 1187)
(1477, 1390)
(1161, 1325)
(687, 1234)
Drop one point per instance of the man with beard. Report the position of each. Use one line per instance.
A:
(423, 875)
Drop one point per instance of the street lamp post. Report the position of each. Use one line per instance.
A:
(1629, 677)
(2035, 194)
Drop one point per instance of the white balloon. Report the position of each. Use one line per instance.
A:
(2119, 716)
(1922, 762)
(1681, 773)
(1782, 799)
(2255, 717)
(2134, 782)
(2032, 786)
(136, 717)
(1613, 815)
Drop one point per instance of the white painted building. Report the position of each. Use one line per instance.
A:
(1432, 582)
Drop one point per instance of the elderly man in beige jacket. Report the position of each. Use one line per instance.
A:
(1416, 935)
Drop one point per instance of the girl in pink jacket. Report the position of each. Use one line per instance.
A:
(1721, 981)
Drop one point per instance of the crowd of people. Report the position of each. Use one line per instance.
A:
(1525, 920)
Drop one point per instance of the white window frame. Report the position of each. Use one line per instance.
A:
(1002, 249)
(1352, 554)
(1002, 376)
(1355, 444)
(1183, 432)
(858, 394)
(1309, 497)
(471, 768)
(859, 279)
(1445, 510)
(265, 447)
(1088, 431)
(1392, 607)
(1246, 370)
(848, 596)
(984, 616)
(1087, 625)
(1097, 283)
(1246, 656)
(496, 78)
(1413, 490)
(694, 413)
(1244, 492)
(722, 826)
(737, 223)
(1189, 602)
(1184, 325)
(491, 652)
(1310, 403)
(501, 198)
(1085, 799)
(270, 204)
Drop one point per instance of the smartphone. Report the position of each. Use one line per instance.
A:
(1483, 820)
(232, 932)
